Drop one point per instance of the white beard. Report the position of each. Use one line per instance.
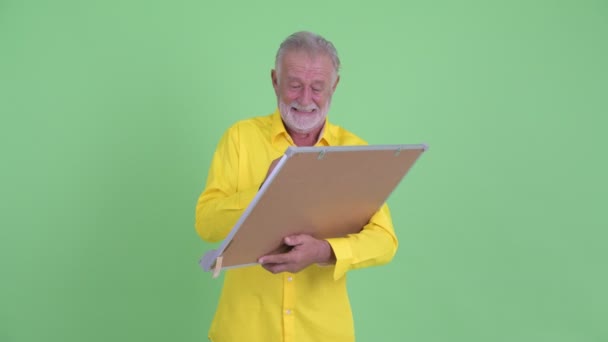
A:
(302, 123)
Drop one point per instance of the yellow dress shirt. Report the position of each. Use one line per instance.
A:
(256, 305)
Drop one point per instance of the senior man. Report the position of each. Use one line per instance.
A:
(299, 295)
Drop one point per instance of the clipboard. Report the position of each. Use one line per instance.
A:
(325, 192)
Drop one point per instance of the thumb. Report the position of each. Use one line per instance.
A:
(294, 240)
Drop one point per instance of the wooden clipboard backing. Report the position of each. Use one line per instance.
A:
(322, 191)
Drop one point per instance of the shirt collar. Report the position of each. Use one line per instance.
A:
(327, 138)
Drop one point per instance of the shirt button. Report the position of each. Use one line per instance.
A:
(289, 278)
(288, 312)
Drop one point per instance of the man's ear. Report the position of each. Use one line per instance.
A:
(335, 84)
(275, 81)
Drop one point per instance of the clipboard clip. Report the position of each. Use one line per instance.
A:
(321, 155)
(398, 151)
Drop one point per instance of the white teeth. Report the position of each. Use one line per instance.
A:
(308, 109)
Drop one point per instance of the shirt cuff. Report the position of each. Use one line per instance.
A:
(344, 256)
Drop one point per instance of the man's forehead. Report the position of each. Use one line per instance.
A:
(294, 63)
(298, 57)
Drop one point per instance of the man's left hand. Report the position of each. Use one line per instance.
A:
(305, 251)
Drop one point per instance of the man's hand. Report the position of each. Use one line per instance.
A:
(305, 251)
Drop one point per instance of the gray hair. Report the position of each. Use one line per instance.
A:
(311, 43)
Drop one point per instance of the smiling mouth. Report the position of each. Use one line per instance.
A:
(304, 111)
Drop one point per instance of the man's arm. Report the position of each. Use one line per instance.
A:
(222, 203)
(376, 244)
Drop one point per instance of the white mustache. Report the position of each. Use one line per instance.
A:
(300, 108)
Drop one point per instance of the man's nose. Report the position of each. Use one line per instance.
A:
(305, 97)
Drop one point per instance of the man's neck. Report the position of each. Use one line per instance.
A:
(305, 139)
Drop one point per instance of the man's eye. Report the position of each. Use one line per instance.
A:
(295, 86)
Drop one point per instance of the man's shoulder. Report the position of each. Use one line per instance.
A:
(256, 120)
(254, 123)
(342, 136)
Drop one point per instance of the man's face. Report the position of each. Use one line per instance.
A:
(304, 85)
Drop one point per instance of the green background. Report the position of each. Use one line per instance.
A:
(110, 111)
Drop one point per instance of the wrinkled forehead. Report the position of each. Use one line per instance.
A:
(295, 57)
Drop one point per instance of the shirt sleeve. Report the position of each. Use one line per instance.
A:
(376, 244)
(221, 203)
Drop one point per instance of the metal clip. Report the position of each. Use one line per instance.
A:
(321, 155)
(398, 151)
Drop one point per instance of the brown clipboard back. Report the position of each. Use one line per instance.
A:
(322, 191)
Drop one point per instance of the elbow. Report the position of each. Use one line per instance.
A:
(390, 250)
(203, 230)
(206, 222)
